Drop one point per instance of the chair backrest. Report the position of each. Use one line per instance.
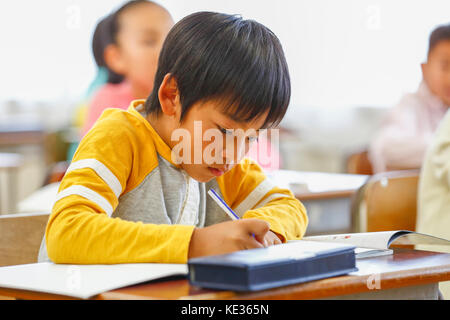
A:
(359, 163)
(20, 237)
(388, 201)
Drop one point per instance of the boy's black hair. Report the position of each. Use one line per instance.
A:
(219, 56)
(441, 33)
(106, 33)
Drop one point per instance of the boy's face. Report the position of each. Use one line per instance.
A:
(215, 141)
(436, 71)
(143, 29)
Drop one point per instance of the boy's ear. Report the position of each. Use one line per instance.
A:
(114, 60)
(168, 94)
(423, 67)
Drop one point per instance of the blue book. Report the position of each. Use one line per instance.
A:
(274, 266)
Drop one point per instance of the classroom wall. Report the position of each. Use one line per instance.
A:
(340, 53)
(324, 137)
(346, 63)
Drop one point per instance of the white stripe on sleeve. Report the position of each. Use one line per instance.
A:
(107, 176)
(254, 197)
(270, 198)
(88, 194)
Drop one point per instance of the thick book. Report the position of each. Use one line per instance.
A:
(274, 266)
(371, 244)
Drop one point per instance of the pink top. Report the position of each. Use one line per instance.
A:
(108, 96)
(265, 154)
(407, 131)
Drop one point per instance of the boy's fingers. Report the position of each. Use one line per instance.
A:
(257, 228)
(261, 239)
(251, 243)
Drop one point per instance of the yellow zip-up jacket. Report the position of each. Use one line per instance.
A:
(123, 200)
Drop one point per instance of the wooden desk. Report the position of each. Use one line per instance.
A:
(20, 130)
(407, 274)
(12, 138)
(326, 196)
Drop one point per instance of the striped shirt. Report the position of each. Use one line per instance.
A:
(123, 199)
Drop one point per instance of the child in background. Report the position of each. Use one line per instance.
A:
(128, 45)
(433, 209)
(126, 198)
(409, 127)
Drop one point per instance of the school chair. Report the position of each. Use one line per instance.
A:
(20, 237)
(359, 163)
(387, 201)
(56, 151)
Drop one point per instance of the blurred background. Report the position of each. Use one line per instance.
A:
(349, 60)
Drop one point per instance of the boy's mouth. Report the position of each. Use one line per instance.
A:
(216, 172)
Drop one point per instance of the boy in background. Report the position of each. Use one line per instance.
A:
(408, 129)
(127, 199)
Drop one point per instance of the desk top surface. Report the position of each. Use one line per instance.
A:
(309, 185)
(404, 268)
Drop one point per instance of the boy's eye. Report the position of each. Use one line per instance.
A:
(230, 132)
(149, 42)
(226, 131)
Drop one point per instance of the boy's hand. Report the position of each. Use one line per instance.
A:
(270, 239)
(229, 236)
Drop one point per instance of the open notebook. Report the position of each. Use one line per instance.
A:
(370, 244)
(83, 281)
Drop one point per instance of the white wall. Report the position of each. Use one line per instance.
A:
(341, 53)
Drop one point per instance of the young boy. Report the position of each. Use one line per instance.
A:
(126, 198)
(409, 127)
